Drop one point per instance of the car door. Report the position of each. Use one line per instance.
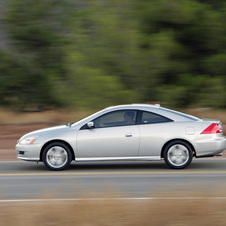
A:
(111, 136)
(153, 133)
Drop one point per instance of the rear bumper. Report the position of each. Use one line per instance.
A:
(210, 147)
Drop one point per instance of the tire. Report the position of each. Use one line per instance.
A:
(178, 154)
(57, 156)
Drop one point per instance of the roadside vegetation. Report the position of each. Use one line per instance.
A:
(92, 54)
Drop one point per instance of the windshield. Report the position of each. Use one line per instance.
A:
(86, 118)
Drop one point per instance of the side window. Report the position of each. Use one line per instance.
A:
(148, 118)
(116, 118)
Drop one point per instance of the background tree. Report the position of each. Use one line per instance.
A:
(98, 53)
(37, 34)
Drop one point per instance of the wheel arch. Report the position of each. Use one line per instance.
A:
(60, 141)
(178, 139)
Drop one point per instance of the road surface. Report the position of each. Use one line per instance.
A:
(27, 180)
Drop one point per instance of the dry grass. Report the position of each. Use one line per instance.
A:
(66, 115)
(53, 116)
(116, 212)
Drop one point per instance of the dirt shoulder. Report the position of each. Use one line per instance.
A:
(10, 134)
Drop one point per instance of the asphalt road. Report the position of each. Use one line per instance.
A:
(27, 180)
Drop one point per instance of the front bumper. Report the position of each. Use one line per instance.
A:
(30, 152)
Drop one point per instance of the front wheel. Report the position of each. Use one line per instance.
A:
(178, 154)
(57, 156)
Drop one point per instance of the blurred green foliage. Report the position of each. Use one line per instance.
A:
(96, 53)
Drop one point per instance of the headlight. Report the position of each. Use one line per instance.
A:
(29, 140)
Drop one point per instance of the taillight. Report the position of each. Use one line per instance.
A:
(213, 128)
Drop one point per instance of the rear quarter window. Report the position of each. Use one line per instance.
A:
(150, 118)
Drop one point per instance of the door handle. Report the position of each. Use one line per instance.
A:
(128, 135)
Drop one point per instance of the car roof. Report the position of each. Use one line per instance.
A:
(134, 106)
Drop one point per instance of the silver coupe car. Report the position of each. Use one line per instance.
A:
(127, 132)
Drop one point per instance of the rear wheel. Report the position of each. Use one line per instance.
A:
(178, 154)
(57, 156)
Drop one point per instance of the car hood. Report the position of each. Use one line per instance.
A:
(45, 130)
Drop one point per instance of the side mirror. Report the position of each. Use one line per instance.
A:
(90, 125)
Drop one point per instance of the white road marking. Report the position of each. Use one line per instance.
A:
(112, 173)
(111, 199)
